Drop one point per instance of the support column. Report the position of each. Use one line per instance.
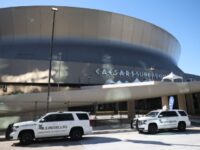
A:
(182, 102)
(116, 109)
(95, 108)
(131, 109)
(190, 104)
(165, 102)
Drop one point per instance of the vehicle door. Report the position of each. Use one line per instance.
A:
(172, 119)
(163, 120)
(168, 119)
(66, 123)
(48, 126)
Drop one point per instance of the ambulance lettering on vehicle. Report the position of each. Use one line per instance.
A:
(52, 127)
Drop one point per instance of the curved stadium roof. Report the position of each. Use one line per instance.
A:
(36, 23)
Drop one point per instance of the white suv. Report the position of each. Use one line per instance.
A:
(54, 124)
(162, 119)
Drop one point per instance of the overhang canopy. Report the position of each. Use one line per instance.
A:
(172, 77)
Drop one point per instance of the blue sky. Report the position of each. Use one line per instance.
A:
(179, 17)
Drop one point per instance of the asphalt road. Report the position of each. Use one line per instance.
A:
(172, 140)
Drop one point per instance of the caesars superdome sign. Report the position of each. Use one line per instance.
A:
(128, 73)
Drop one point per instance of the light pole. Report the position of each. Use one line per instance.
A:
(50, 59)
(60, 58)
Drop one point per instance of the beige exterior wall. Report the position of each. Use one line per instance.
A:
(182, 102)
(165, 102)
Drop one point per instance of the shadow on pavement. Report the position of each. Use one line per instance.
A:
(160, 143)
(149, 142)
(68, 142)
(172, 132)
(175, 132)
(99, 140)
(49, 143)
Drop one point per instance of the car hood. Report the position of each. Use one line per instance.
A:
(25, 123)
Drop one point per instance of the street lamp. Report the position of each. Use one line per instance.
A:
(60, 58)
(54, 9)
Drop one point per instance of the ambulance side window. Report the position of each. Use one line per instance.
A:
(50, 118)
(66, 117)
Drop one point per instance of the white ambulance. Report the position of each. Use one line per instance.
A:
(162, 119)
(54, 124)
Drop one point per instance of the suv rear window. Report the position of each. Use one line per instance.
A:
(82, 116)
(182, 113)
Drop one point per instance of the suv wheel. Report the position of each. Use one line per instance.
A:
(181, 126)
(26, 138)
(152, 129)
(76, 134)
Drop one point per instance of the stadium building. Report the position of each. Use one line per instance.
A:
(101, 62)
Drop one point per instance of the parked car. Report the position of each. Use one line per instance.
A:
(162, 119)
(54, 124)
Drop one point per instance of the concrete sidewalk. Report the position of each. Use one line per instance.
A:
(112, 129)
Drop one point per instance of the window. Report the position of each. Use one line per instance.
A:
(51, 118)
(66, 117)
(59, 117)
(168, 114)
(182, 113)
(152, 114)
(163, 114)
(82, 116)
(172, 114)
